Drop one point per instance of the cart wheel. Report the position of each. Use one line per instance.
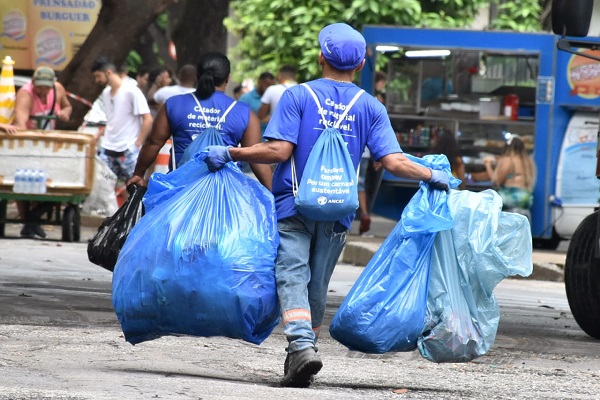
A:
(3, 205)
(582, 277)
(71, 224)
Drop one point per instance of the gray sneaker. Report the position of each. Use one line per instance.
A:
(300, 367)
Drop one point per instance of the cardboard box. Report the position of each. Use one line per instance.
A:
(67, 157)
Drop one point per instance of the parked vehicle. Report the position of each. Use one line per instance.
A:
(571, 19)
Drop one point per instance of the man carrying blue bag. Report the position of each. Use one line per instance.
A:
(310, 247)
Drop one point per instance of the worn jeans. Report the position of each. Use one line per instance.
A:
(307, 255)
(122, 166)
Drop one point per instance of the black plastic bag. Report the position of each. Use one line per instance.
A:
(106, 244)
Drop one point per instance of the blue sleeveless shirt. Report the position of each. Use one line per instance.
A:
(187, 121)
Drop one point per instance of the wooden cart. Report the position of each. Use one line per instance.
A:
(67, 158)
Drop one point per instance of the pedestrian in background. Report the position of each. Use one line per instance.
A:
(252, 98)
(41, 97)
(186, 83)
(514, 176)
(309, 249)
(185, 116)
(269, 100)
(445, 142)
(128, 120)
(158, 78)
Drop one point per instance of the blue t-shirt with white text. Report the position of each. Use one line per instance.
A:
(296, 119)
(187, 122)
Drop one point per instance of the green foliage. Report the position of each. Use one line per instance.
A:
(277, 32)
(519, 15)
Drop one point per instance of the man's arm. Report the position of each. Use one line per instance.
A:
(144, 129)
(23, 104)
(253, 136)
(399, 165)
(271, 152)
(159, 135)
(263, 112)
(65, 106)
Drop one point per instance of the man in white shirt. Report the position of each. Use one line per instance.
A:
(128, 120)
(187, 84)
(287, 78)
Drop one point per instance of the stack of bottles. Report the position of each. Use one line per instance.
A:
(30, 181)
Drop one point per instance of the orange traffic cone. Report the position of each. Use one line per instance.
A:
(7, 91)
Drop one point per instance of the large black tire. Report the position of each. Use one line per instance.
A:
(582, 277)
(71, 224)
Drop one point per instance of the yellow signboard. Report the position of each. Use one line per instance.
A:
(45, 32)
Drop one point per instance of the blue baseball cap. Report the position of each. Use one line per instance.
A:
(342, 46)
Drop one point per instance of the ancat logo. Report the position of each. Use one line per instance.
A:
(322, 200)
(14, 25)
(49, 47)
(584, 75)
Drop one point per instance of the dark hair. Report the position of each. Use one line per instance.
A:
(288, 71)
(380, 76)
(155, 72)
(266, 75)
(213, 71)
(448, 145)
(187, 74)
(103, 64)
(515, 145)
(143, 70)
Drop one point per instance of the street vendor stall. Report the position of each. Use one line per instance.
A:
(65, 162)
(486, 86)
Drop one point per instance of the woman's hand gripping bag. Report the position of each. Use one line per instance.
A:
(203, 263)
(484, 247)
(385, 309)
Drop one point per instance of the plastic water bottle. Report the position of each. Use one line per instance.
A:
(28, 186)
(37, 181)
(42, 182)
(18, 185)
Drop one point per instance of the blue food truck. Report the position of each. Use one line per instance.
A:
(486, 86)
(477, 79)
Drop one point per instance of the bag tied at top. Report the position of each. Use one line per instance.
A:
(328, 189)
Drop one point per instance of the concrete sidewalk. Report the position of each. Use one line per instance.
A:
(548, 265)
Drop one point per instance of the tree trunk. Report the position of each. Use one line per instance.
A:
(200, 29)
(120, 24)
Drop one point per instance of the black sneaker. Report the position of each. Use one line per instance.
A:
(299, 368)
(38, 230)
(27, 232)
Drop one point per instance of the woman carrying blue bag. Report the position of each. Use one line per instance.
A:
(309, 248)
(188, 117)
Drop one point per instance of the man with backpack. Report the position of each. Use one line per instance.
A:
(310, 247)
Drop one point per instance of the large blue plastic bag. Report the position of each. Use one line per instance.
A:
(385, 309)
(202, 263)
(484, 247)
(161, 188)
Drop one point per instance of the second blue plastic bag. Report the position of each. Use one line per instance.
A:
(202, 263)
(385, 309)
(485, 246)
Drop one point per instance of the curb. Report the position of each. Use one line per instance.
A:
(360, 253)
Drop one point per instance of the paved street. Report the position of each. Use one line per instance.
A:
(60, 339)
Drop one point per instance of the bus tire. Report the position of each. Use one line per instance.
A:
(582, 277)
